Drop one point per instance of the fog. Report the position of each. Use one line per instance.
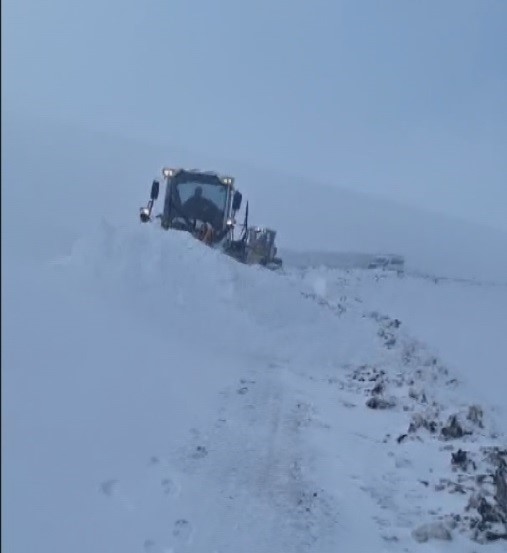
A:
(402, 100)
(62, 181)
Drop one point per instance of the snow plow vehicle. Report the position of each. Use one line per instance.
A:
(205, 204)
(387, 262)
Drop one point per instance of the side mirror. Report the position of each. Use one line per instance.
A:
(236, 201)
(154, 190)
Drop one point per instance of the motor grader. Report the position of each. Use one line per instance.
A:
(206, 204)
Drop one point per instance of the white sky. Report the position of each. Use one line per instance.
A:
(401, 99)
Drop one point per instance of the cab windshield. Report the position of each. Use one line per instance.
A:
(195, 200)
(210, 192)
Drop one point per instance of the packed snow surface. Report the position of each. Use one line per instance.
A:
(160, 397)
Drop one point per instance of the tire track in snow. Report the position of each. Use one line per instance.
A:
(256, 473)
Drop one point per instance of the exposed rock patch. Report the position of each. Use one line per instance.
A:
(432, 530)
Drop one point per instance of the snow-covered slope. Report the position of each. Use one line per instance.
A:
(159, 397)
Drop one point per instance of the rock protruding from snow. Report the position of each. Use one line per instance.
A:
(475, 415)
(377, 402)
(453, 429)
(490, 500)
(432, 530)
(500, 481)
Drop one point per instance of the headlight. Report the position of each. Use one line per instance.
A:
(167, 172)
(144, 214)
(227, 180)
